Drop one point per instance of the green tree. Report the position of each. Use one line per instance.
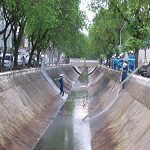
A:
(104, 34)
(67, 35)
(47, 23)
(6, 31)
(19, 10)
(61, 21)
(41, 24)
(136, 14)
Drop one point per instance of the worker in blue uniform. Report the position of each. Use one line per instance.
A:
(120, 62)
(115, 62)
(61, 81)
(131, 61)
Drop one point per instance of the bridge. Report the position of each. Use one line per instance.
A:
(83, 62)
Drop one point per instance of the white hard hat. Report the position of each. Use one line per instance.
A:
(60, 75)
(121, 54)
(124, 64)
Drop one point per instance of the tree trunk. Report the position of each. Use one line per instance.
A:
(38, 58)
(30, 58)
(5, 38)
(4, 54)
(136, 57)
(52, 57)
(58, 57)
(16, 48)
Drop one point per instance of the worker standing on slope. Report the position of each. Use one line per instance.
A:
(124, 68)
(124, 72)
(61, 81)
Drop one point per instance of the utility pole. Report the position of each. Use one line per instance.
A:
(120, 45)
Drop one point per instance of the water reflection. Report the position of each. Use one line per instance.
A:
(68, 131)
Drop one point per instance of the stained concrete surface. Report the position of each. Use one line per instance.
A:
(30, 101)
(68, 131)
(28, 104)
(120, 122)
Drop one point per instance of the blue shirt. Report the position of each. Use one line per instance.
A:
(61, 82)
(131, 59)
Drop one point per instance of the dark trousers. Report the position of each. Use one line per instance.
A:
(62, 90)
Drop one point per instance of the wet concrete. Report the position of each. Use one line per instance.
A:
(68, 131)
(121, 122)
(29, 101)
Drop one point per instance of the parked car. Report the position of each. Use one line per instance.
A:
(8, 61)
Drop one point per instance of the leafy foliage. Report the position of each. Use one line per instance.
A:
(104, 33)
(135, 13)
(45, 23)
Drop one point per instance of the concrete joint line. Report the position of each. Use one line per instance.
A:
(139, 93)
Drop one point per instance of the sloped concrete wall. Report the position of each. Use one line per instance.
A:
(119, 122)
(29, 100)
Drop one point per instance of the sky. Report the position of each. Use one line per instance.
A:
(84, 7)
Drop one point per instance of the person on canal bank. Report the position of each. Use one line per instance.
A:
(61, 81)
(124, 72)
(131, 61)
(115, 62)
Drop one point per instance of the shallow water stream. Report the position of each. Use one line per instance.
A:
(68, 131)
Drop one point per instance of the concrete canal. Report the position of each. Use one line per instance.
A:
(68, 131)
(30, 103)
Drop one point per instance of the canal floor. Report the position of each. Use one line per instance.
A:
(68, 131)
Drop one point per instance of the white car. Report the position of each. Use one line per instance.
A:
(8, 61)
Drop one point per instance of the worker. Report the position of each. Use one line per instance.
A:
(120, 62)
(124, 71)
(131, 61)
(61, 81)
(115, 63)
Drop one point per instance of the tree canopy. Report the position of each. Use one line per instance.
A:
(134, 13)
(45, 23)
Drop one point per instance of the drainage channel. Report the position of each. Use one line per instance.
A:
(68, 131)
